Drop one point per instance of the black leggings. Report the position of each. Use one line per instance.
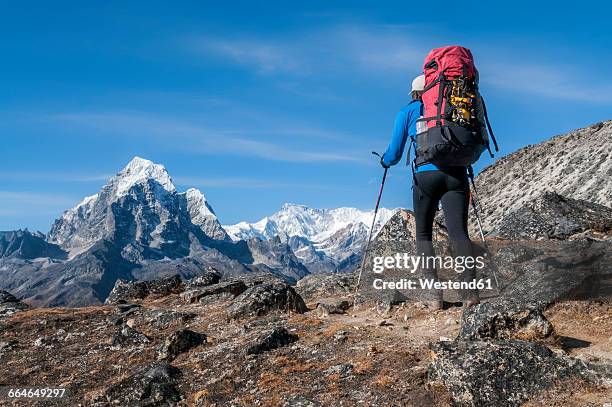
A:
(450, 187)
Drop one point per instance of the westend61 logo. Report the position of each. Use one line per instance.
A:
(410, 263)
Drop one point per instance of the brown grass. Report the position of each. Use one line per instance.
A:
(299, 368)
(270, 380)
(200, 398)
(384, 379)
(332, 328)
(363, 365)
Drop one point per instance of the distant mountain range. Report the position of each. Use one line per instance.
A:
(138, 226)
(323, 239)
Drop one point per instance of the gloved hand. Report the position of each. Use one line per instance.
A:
(382, 163)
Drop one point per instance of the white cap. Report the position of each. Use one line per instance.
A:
(418, 84)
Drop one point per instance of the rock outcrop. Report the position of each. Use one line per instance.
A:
(179, 342)
(552, 216)
(505, 320)
(9, 304)
(154, 385)
(210, 277)
(127, 336)
(501, 373)
(269, 340)
(224, 289)
(265, 297)
(129, 291)
(317, 286)
(576, 165)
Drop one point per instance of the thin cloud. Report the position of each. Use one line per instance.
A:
(242, 182)
(368, 48)
(202, 140)
(53, 176)
(35, 199)
(372, 50)
(267, 57)
(551, 81)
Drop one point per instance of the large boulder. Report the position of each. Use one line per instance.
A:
(338, 306)
(210, 277)
(128, 291)
(553, 216)
(269, 340)
(127, 336)
(179, 342)
(576, 269)
(9, 304)
(164, 318)
(505, 320)
(225, 289)
(316, 286)
(154, 385)
(501, 373)
(275, 295)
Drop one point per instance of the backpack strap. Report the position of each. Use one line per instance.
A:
(411, 146)
(441, 89)
(484, 110)
(415, 183)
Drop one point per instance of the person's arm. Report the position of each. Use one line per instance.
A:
(398, 140)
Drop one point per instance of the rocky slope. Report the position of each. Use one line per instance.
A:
(252, 340)
(576, 165)
(552, 216)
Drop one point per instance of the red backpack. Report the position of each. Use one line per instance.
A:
(454, 111)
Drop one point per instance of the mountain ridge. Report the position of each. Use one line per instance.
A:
(576, 165)
(139, 226)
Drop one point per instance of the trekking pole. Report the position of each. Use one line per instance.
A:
(365, 252)
(475, 205)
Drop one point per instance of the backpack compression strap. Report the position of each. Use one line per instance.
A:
(484, 110)
(441, 79)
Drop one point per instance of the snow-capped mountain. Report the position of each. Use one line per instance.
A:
(202, 214)
(141, 210)
(299, 220)
(138, 226)
(325, 240)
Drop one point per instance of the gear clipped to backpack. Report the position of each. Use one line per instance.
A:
(454, 111)
(462, 102)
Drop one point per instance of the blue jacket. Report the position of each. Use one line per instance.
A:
(404, 127)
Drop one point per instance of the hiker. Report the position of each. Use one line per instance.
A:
(442, 176)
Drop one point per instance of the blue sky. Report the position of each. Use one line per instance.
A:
(261, 103)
